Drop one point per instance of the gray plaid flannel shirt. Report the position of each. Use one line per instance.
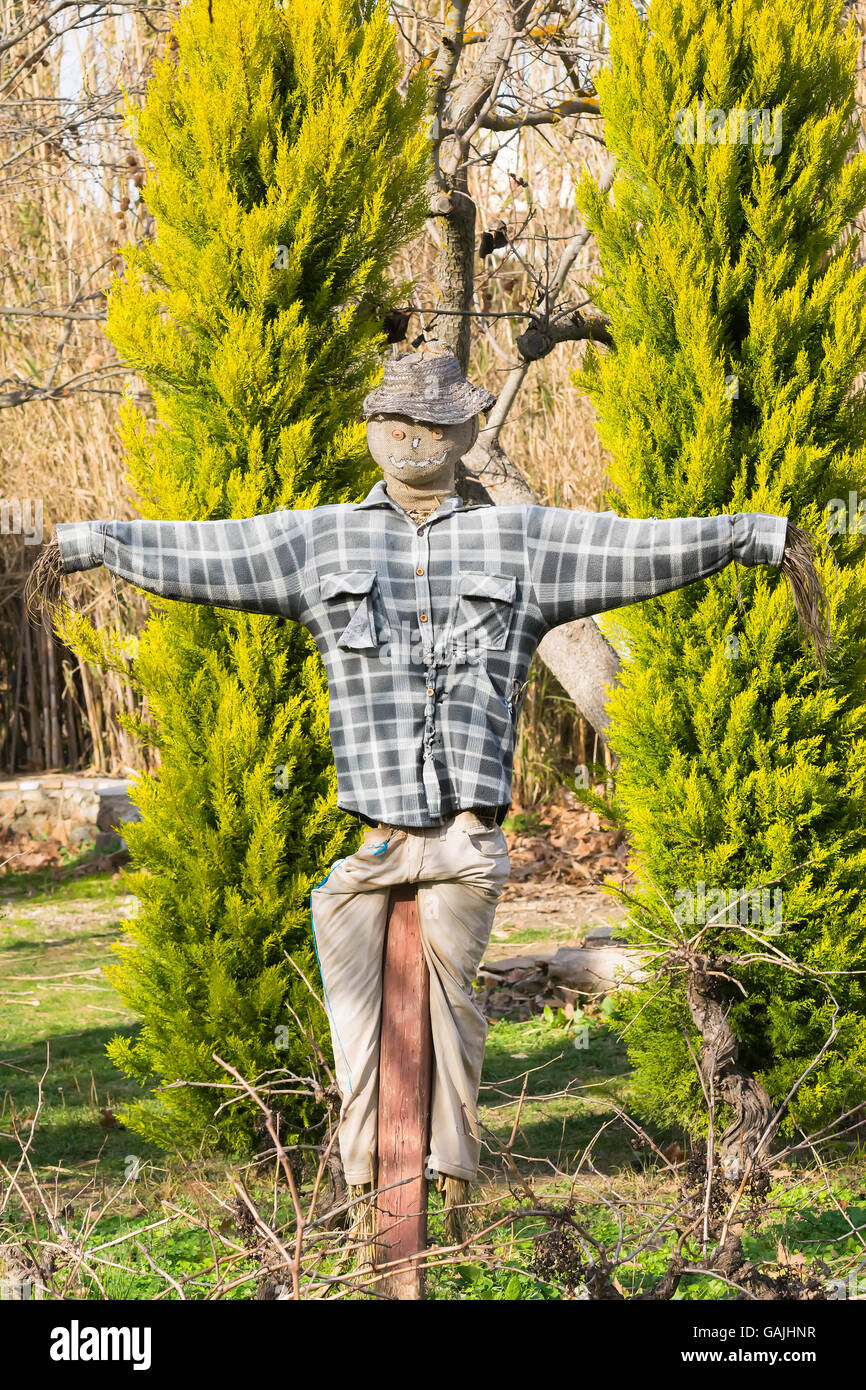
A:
(426, 631)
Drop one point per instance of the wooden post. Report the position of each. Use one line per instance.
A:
(405, 1083)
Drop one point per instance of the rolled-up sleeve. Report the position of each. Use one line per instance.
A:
(81, 544)
(759, 538)
(255, 564)
(582, 563)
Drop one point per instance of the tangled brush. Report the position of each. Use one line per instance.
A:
(810, 600)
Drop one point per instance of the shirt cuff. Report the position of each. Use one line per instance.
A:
(759, 538)
(82, 544)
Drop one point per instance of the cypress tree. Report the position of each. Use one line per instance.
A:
(738, 318)
(284, 171)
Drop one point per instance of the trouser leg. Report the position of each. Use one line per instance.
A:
(456, 919)
(462, 878)
(349, 929)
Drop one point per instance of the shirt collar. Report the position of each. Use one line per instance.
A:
(378, 497)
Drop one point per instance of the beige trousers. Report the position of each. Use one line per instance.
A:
(460, 868)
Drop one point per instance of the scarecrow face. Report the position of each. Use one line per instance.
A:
(415, 451)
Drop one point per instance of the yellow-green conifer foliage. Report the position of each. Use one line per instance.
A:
(284, 171)
(739, 322)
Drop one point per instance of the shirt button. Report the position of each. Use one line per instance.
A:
(420, 530)
(431, 690)
(419, 571)
(422, 617)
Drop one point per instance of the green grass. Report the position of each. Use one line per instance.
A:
(58, 1012)
(554, 929)
(568, 1090)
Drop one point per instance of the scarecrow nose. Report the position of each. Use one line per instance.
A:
(416, 441)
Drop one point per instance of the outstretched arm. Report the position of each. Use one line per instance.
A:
(583, 563)
(255, 564)
(587, 562)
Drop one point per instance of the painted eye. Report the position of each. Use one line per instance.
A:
(437, 434)
(398, 434)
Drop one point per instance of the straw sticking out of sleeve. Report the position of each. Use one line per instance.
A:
(810, 600)
(43, 588)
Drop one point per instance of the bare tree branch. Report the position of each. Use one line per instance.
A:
(538, 340)
(518, 120)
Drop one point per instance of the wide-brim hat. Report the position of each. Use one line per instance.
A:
(429, 386)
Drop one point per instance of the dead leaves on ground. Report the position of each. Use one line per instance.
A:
(566, 844)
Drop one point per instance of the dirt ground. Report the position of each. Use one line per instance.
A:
(561, 858)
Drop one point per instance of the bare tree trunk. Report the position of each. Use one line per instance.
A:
(457, 273)
(723, 1076)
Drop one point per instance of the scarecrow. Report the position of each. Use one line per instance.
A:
(427, 610)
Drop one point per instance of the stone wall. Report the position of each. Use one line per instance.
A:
(65, 807)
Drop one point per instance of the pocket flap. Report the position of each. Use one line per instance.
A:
(347, 582)
(476, 584)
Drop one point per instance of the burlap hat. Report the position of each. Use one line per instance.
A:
(429, 386)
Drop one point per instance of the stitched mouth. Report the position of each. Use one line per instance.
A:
(416, 462)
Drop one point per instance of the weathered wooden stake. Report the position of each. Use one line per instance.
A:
(405, 1082)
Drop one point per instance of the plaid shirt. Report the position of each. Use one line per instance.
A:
(426, 631)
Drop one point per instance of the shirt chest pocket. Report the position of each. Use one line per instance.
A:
(485, 610)
(350, 598)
